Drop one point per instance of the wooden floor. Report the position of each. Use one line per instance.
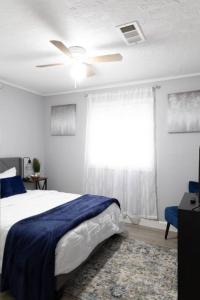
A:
(146, 234)
(152, 236)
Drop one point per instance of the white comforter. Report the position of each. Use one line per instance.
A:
(76, 245)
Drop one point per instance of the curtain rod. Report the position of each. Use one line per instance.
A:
(155, 87)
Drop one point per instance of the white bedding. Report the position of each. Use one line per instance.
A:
(76, 245)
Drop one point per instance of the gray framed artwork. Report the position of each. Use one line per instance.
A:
(63, 120)
(184, 112)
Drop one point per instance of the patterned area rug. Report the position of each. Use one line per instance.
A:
(126, 269)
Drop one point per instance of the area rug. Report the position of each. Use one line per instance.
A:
(126, 269)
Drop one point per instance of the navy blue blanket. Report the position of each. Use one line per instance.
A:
(29, 255)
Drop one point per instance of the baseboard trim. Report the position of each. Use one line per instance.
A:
(156, 224)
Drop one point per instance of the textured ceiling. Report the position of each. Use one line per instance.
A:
(171, 27)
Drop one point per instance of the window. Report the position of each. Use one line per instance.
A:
(121, 131)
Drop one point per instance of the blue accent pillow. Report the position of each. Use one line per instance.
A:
(11, 186)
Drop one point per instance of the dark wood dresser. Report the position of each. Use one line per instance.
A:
(189, 248)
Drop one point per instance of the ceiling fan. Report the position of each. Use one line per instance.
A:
(81, 64)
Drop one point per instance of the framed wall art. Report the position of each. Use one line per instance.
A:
(184, 112)
(63, 120)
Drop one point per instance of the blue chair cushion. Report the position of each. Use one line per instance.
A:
(193, 187)
(171, 215)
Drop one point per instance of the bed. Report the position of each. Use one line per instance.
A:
(77, 244)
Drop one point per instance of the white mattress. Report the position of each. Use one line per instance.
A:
(76, 245)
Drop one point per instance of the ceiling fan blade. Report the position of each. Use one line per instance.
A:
(89, 70)
(61, 47)
(49, 65)
(106, 58)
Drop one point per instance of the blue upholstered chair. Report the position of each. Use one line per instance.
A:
(193, 187)
(171, 212)
(171, 216)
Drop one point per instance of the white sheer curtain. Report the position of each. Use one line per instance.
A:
(119, 158)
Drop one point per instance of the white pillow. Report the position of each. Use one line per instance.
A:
(8, 173)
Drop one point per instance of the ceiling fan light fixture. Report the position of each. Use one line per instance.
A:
(78, 71)
(78, 53)
(81, 64)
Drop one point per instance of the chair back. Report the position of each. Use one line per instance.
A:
(193, 187)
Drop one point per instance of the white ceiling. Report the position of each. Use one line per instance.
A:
(171, 27)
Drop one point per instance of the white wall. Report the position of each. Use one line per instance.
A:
(177, 153)
(22, 133)
(65, 154)
(21, 124)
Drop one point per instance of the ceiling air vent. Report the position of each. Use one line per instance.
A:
(131, 33)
